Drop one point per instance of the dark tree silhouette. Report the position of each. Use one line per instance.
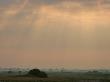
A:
(10, 72)
(37, 73)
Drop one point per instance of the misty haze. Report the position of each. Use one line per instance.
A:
(58, 36)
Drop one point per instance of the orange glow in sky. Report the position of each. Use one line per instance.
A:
(55, 33)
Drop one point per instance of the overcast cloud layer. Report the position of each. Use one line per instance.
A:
(54, 33)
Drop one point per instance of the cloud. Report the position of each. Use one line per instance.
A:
(32, 27)
(54, 24)
(50, 19)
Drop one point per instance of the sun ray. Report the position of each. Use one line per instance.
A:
(99, 4)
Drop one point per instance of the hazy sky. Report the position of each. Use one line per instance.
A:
(55, 33)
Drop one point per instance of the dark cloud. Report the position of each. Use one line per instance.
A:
(83, 3)
(7, 3)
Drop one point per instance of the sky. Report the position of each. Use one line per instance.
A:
(55, 33)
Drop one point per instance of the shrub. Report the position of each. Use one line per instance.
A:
(37, 73)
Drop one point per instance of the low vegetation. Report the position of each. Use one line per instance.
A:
(37, 73)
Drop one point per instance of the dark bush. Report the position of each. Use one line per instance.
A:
(37, 73)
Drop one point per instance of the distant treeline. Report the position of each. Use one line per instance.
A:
(69, 80)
